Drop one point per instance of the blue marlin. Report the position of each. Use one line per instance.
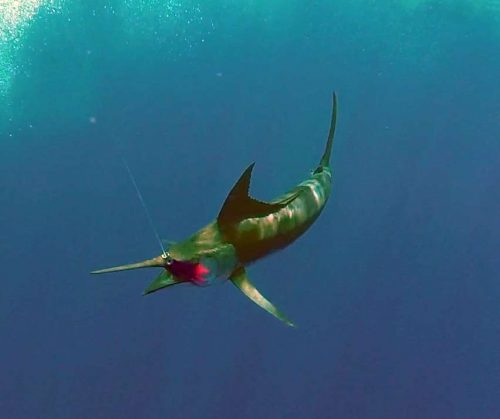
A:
(245, 230)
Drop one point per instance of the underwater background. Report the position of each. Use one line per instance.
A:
(396, 287)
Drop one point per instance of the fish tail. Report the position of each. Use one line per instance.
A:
(325, 160)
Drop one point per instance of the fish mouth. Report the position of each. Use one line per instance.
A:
(165, 279)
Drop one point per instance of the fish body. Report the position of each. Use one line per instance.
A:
(245, 230)
(280, 228)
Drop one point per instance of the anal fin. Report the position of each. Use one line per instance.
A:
(240, 279)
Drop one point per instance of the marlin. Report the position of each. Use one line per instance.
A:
(246, 229)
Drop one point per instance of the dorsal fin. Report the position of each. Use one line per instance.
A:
(239, 205)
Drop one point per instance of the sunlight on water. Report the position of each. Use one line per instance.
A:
(181, 23)
(484, 6)
(15, 16)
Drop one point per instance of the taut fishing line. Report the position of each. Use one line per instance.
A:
(144, 206)
(139, 194)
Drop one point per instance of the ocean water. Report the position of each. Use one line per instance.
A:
(396, 287)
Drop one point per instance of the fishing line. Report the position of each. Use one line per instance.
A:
(144, 206)
(118, 147)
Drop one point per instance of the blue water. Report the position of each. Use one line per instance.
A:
(395, 289)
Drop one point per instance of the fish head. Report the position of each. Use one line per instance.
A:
(193, 271)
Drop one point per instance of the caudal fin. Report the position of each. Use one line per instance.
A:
(325, 160)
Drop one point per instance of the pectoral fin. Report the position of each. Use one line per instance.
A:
(240, 279)
(165, 279)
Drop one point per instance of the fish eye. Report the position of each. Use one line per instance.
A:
(167, 258)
